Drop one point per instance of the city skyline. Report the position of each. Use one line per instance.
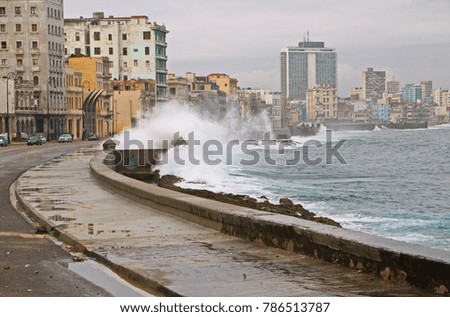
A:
(244, 39)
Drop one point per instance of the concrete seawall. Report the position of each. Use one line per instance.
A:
(389, 259)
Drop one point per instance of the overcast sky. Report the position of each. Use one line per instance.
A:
(410, 39)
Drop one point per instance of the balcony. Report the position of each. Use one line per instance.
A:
(160, 43)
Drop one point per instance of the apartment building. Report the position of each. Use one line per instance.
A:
(32, 67)
(135, 46)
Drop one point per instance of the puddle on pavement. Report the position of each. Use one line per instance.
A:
(61, 218)
(106, 279)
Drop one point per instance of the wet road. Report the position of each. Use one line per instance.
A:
(31, 264)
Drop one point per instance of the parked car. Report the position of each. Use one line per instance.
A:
(34, 140)
(3, 141)
(93, 137)
(43, 139)
(65, 138)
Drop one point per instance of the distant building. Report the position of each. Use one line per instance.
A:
(179, 88)
(381, 113)
(345, 111)
(131, 100)
(373, 84)
(442, 97)
(321, 103)
(225, 83)
(306, 66)
(427, 89)
(392, 86)
(356, 93)
(273, 102)
(412, 93)
(135, 46)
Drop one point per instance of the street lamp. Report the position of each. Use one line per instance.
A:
(49, 82)
(85, 84)
(9, 76)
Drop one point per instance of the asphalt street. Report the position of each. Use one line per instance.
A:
(32, 264)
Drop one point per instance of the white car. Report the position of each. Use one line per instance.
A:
(65, 138)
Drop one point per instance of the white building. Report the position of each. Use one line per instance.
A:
(442, 97)
(135, 46)
(32, 57)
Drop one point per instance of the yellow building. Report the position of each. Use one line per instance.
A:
(74, 104)
(97, 117)
(132, 99)
(321, 103)
(225, 83)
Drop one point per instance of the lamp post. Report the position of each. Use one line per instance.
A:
(10, 75)
(49, 82)
(84, 84)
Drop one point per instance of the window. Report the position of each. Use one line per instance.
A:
(124, 37)
(17, 10)
(136, 50)
(18, 44)
(33, 10)
(96, 50)
(109, 37)
(147, 35)
(136, 63)
(125, 51)
(77, 36)
(3, 45)
(36, 80)
(125, 64)
(2, 28)
(111, 51)
(35, 62)
(2, 11)
(19, 62)
(147, 50)
(4, 62)
(18, 27)
(96, 36)
(34, 28)
(147, 64)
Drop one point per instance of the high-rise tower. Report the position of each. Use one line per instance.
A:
(306, 66)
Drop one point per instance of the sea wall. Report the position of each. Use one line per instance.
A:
(388, 259)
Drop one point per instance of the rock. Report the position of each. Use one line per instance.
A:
(286, 202)
(168, 181)
(286, 206)
(385, 273)
(441, 290)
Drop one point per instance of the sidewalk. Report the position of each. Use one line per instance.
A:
(173, 256)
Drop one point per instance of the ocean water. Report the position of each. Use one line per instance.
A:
(394, 183)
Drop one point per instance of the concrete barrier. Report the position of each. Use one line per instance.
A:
(388, 259)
